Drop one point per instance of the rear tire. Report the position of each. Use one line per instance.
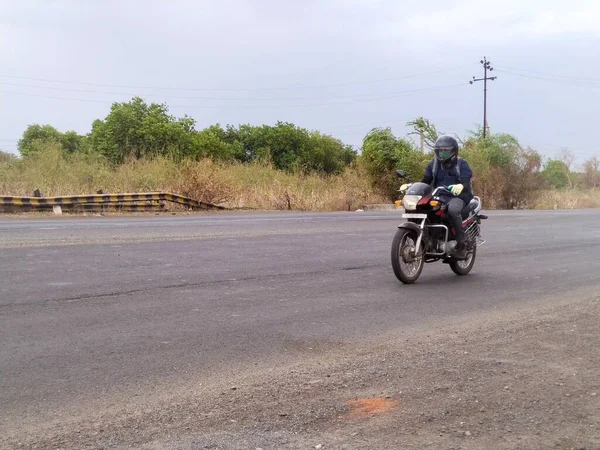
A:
(463, 268)
(401, 246)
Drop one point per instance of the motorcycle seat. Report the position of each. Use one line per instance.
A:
(470, 208)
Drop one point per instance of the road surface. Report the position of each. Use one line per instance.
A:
(113, 316)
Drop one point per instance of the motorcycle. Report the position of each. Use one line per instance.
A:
(427, 235)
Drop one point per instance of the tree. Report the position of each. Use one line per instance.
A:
(36, 132)
(567, 158)
(287, 144)
(556, 174)
(591, 172)
(326, 154)
(6, 157)
(383, 153)
(426, 131)
(72, 142)
(208, 144)
(287, 147)
(136, 129)
(505, 174)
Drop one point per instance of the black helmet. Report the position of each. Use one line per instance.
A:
(446, 149)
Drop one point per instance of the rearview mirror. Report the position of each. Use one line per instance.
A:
(400, 173)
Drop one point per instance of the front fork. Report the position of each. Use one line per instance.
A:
(420, 237)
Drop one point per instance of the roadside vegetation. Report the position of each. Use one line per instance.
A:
(140, 147)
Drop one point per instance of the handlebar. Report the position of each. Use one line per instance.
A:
(441, 188)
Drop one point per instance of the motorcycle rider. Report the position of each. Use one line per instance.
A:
(454, 173)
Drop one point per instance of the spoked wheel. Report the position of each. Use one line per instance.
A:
(407, 261)
(464, 267)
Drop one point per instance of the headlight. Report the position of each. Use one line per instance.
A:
(410, 202)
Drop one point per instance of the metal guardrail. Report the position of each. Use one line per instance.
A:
(147, 201)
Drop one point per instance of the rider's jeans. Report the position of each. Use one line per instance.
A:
(455, 207)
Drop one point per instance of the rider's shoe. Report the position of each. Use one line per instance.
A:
(460, 252)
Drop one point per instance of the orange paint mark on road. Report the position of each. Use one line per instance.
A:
(370, 406)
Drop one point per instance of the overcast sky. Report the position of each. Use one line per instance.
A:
(338, 66)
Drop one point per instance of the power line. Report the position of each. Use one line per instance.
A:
(554, 80)
(567, 77)
(28, 94)
(324, 86)
(303, 105)
(91, 91)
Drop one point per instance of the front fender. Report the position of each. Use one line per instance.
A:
(411, 226)
(421, 232)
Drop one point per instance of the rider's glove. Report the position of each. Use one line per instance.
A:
(456, 189)
(405, 187)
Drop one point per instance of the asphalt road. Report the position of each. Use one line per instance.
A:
(154, 301)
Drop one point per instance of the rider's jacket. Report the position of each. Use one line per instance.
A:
(450, 176)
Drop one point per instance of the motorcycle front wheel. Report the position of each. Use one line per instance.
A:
(407, 261)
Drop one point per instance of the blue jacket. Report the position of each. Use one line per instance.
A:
(450, 176)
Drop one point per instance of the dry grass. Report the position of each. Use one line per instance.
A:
(54, 174)
(568, 199)
(262, 187)
(252, 186)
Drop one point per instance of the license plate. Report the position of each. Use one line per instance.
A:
(414, 216)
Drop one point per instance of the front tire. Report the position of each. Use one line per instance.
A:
(406, 264)
(463, 268)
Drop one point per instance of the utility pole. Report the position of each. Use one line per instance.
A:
(486, 66)
(422, 141)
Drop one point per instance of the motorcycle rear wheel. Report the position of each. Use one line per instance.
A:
(407, 266)
(463, 268)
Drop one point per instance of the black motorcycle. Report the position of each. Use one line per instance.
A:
(427, 235)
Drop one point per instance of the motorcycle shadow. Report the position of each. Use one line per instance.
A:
(447, 279)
